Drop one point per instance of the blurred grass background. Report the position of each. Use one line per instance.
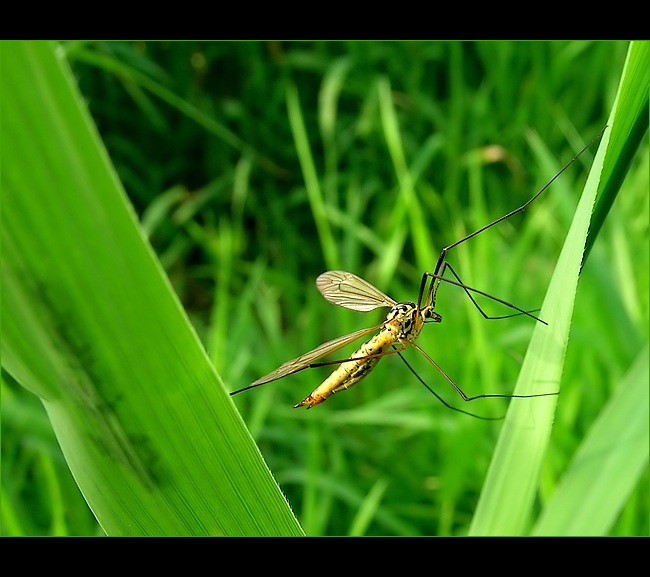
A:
(255, 166)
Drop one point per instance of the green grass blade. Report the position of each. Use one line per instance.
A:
(607, 465)
(368, 508)
(91, 326)
(312, 184)
(408, 199)
(505, 505)
(627, 135)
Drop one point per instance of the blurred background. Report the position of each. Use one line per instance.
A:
(255, 166)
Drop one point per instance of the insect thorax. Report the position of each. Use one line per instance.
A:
(402, 321)
(406, 322)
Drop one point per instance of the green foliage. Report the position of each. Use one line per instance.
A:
(93, 328)
(253, 167)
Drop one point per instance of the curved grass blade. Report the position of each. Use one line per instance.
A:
(505, 504)
(92, 327)
(626, 135)
(506, 500)
(607, 465)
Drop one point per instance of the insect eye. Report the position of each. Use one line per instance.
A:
(430, 315)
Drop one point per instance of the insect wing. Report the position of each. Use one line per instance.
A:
(303, 361)
(349, 291)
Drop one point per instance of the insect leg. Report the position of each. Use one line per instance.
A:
(467, 288)
(485, 315)
(463, 395)
(445, 403)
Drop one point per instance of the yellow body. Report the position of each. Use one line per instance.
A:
(402, 325)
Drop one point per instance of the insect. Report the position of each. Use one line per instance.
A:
(402, 326)
(399, 330)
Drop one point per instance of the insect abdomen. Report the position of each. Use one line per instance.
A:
(349, 373)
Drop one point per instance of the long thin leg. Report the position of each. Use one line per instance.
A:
(485, 315)
(517, 210)
(469, 288)
(445, 403)
(442, 262)
(463, 395)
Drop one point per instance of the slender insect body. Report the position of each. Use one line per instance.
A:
(403, 325)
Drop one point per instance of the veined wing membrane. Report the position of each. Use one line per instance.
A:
(349, 291)
(303, 361)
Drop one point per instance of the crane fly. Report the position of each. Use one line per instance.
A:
(402, 326)
(399, 330)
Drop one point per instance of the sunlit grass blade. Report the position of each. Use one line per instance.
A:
(92, 327)
(607, 465)
(408, 204)
(505, 505)
(626, 134)
(314, 190)
(368, 508)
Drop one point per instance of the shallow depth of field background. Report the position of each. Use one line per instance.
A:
(255, 166)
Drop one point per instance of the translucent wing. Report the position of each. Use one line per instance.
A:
(303, 361)
(351, 292)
